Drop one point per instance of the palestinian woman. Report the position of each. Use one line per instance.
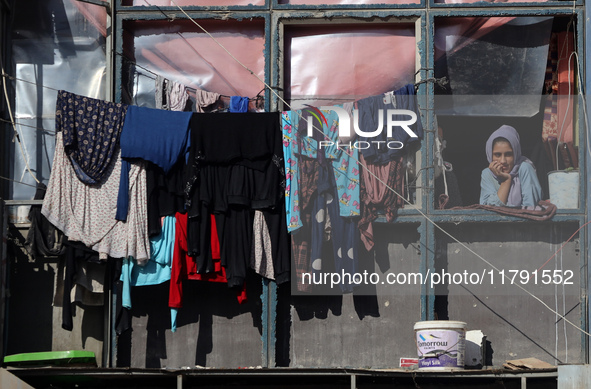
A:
(510, 178)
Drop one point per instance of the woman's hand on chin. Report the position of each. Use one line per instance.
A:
(497, 169)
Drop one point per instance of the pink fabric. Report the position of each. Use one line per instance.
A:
(203, 64)
(375, 189)
(182, 3)
(95, 14)
(261, 258)
(565, 100)
(177, 96)
(376, 195)
(204, 99)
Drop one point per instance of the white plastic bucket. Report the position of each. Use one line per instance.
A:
(564, 189)
(441, 344)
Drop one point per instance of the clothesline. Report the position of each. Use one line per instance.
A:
(258, 96)
(18, 182)
(28, 82)
(26, 125)
(387, 186)
(16, 133)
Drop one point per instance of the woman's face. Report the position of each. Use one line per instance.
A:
(503, 153)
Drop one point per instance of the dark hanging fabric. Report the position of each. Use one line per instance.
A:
(369, 119)
(222, 139)
(301, 251)
(300, 242)
(225, 138)
(165, 194)
(43, 239)
(343, 232)
(122, 315)
(235, 166)
(200, 241)
(75, 252)
(235, 233)
(91, 130)
(253, 188)
(209, 199)
(154, 135)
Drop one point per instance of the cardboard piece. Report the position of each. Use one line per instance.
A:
(527, 363)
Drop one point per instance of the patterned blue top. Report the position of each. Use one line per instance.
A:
(90, 129)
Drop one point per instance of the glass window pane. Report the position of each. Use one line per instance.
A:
(56, 45)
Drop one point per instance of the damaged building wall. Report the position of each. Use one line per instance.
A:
(372, 327)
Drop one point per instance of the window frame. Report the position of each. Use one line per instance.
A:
(278, 15)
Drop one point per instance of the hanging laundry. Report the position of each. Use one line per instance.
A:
(122, 315)
(90, 129)
(376, 196)
(166, 190)
(238, 104)
(335, 188)
(566, 103)
(250, 138)
(558, 131)
(369, 118)
(170, 95)
(550, 123)
(43, 239)
(343, 234)
(261, 256)
(236, 166)
(155, 135)
(87, 213)
(294, 144)
(270, 255)
(84, 280)
(325, 140)
(338, 191)
(291, 167)
(204, 99)
(344, 164)
(300, 242)
(184, 268)
(157, 269)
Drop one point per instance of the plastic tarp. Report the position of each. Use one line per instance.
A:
(487, 1)
(495, 66)
(181, 52)
(347, 2)
(348, 62)
(183, 3)
(62, 47)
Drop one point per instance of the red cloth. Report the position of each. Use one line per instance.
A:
(184, 267)
(558, 125)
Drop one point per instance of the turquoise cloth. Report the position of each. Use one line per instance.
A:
(157, 269)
